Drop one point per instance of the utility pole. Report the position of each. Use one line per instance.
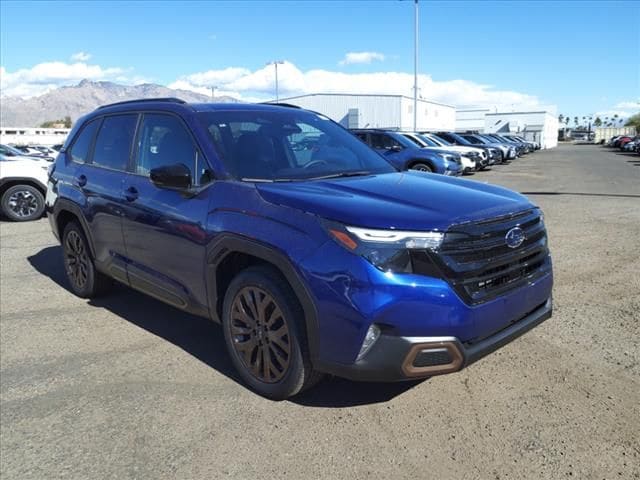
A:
(415, 67)
(275, 63)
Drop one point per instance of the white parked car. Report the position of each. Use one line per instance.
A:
(23, 186)
(479, 154)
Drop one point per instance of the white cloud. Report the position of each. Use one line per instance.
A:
(631, 105)
(81, 57)
(260, 85)
(361, 57)
(43, 77)
(622, 109)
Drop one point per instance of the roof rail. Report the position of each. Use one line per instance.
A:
(278, 104)
(140, 100)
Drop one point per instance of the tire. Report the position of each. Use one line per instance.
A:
(85, 281)
(421, 167)
(22, 203)
(257, 305)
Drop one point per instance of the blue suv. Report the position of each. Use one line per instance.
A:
(315, 254)
(406, 155)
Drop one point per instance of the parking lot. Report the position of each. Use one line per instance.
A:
(126, 387)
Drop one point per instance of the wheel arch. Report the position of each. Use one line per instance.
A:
(229, 254)
(426, 161)
(64, 212)
(8, 182)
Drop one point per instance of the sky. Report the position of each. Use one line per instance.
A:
(580, 58)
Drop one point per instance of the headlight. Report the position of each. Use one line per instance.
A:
(396, 251)
(447, 157)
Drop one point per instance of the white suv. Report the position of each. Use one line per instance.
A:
(23, 186)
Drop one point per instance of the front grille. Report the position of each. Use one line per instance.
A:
(477, 262)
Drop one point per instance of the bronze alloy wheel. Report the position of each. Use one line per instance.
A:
(76, 259)
(260, 334)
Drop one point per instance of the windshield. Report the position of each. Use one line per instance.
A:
(442, 141)
(281, 145)
(9, 150)
(428, 141)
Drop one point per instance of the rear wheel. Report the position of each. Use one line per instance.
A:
(84, 279)
(22, 203)
(421, 167)
(264, 332)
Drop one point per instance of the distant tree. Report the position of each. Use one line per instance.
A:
(566, 120)
(560, 118)
(633, 121)
(575, 121)
(62, 123)
(597, 122)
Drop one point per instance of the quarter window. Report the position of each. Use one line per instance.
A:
(80, 149)
(113, 145)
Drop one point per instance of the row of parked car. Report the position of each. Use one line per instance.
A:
(625, 143)
(447, 153)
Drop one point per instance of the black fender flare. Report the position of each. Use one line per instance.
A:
(64, 205)
(426, 161)
(226, 243)
(23, 180)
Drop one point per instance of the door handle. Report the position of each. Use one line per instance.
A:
(81, 180)
(131, 194)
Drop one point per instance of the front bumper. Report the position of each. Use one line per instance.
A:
(397, 358)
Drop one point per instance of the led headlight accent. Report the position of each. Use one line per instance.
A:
(407, 239)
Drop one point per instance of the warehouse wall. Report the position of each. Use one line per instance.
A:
(431, 115)
(380, 111)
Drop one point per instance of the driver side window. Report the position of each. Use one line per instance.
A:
(165, 141)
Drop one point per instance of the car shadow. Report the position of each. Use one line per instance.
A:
(204, 339)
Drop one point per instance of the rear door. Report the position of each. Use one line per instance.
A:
(100, 182)
(163, 228)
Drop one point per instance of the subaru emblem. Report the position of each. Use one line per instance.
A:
(514, 237)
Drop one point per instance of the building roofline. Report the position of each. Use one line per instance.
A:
(363, 95)
(518, 113)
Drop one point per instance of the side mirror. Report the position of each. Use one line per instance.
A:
(177, 176)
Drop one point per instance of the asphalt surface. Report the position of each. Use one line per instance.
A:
(125, 387)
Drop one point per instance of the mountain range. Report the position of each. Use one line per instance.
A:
(75, 101)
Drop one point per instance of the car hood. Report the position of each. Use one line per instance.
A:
(407, 200)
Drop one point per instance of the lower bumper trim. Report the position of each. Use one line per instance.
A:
(395, 358)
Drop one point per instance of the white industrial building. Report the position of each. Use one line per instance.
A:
(33, 136)
(540, 126)
(378, 111)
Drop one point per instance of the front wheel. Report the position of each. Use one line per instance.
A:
(264, 332)
(22, 203)
(422, 167)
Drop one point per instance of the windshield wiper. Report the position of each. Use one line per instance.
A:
(341, 175)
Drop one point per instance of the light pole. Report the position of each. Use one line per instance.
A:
(415, 67)
(275, 63)
(213, 92)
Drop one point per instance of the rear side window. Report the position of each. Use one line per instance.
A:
(113, 145)
(80, 149)
(165, 141)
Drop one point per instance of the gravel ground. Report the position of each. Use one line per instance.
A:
(126, 387)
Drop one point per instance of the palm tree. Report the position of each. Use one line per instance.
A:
(566, 121)
(560, 118)
(575, 121)
(597, 122)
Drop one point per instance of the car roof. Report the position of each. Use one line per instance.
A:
(176, 104)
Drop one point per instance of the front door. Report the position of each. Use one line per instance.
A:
(164, 229)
